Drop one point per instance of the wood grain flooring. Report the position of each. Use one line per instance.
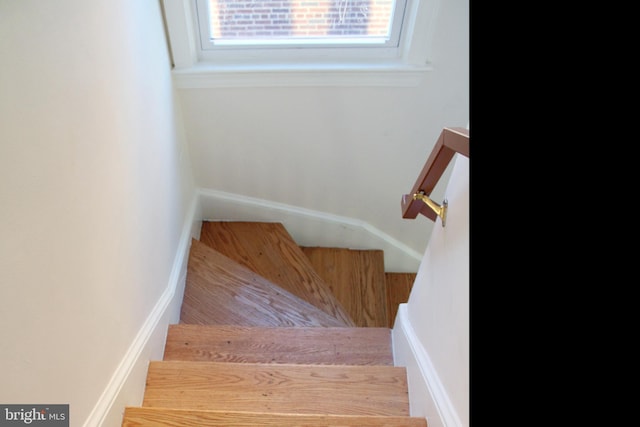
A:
(220, 291)
(357, 279)
(278, 388)
(164, 417)
(303, 345)
(399, 287)
(269, 250)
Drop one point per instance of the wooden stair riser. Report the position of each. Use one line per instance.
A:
(398, 286)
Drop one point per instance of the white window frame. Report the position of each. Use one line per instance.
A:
(401, 65)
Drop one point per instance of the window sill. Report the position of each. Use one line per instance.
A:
(208, 75)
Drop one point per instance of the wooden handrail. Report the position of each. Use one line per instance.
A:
(451, 141)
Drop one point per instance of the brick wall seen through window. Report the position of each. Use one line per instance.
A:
(264, 19)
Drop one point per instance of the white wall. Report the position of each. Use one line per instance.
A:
(431, 333)
(343, 150)
(94, 191)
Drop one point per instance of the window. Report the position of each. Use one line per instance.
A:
(299, 23)
(235, 39)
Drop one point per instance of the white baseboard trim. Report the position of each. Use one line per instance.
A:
(105, 408)
(309, 227)
(428, 397)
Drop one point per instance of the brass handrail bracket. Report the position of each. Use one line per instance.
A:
(452, 141)
(440, 210)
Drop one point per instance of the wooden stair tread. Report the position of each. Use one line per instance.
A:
(357, 279)
(220, 291)
(304, 345)
(270, 251)
(278, 388)
(399, 287)
(168, 417)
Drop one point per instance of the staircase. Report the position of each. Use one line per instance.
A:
(273, 334)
